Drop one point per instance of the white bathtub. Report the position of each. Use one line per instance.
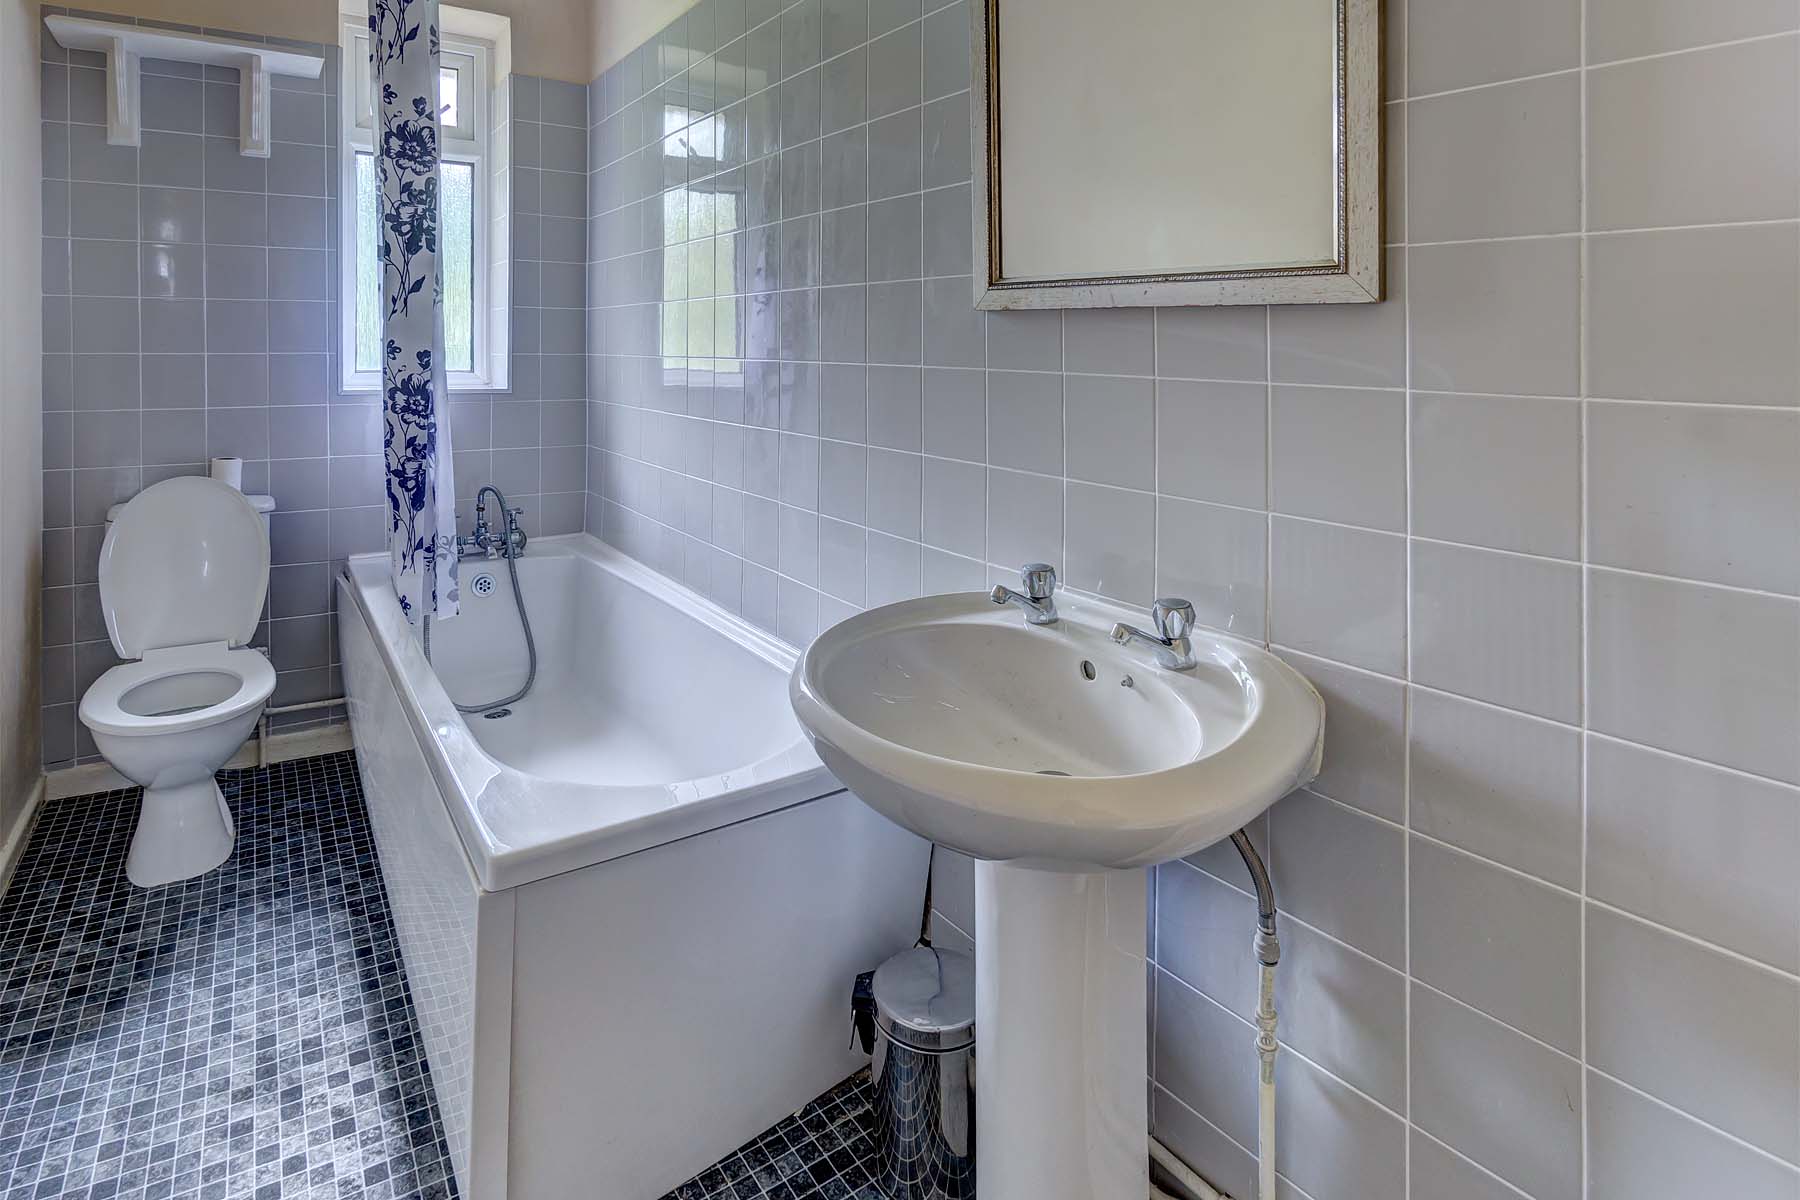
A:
(631, 910)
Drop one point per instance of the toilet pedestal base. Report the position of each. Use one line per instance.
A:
(182, 832)
(1060, 1105)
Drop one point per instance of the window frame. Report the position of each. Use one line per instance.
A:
(473, 45)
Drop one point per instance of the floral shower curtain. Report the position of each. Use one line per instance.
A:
(403, 49)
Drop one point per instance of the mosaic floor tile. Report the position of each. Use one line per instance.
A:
(826, 1151)
(245, 1034)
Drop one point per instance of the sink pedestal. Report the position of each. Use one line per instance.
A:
(1060, 1003)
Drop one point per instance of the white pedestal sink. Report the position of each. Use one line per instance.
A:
(1065, 764)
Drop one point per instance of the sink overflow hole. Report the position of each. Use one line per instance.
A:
(494, 714)
(1060, 774)
(1087, 669)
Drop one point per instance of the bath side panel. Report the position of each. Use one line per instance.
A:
(440, 916)
(672, 1004)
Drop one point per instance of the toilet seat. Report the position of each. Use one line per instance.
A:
(103, 707)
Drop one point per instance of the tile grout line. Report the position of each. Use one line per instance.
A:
(1583, 524)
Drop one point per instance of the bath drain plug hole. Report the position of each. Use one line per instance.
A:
(494, 714)
(483, 584)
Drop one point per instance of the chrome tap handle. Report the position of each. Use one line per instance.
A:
(1173, 618)
(1039, 597)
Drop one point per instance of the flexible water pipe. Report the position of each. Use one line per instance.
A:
(1268, 956)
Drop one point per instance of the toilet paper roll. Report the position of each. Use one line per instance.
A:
(229, 470)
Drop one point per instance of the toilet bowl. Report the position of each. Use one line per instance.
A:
(183, 574)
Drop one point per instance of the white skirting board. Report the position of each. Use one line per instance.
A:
(14, 846)
(301, 743)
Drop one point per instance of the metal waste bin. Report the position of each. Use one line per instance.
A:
(924, 1075)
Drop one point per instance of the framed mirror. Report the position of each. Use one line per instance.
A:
(1170, 152)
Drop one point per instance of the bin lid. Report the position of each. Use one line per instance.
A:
(925, 999)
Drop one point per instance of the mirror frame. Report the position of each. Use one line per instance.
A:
(1355, 277)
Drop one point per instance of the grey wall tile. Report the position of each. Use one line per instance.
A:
(1701, 493)
(1498, 627)
(1490, 336)
(1495, 162)
(1717, 686)
(1653, 120)
(1637, 1147)
(1497, 941)
(1212, 440)
(1341, 872)
(1365, 737)
(1500, 471)
(1475, 303)
(1524, 1120)
(1461, 43)
(1499, 784)
(1705, 851)
(1695, 314)
(1339, 593)
(1662, 1012)
(1339, 454)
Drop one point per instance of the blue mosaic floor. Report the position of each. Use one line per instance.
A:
(825, 1151)
(245, 1034)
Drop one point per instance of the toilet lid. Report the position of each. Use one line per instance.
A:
(186, 562)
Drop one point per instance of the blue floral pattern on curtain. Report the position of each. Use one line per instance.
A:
(403, 51)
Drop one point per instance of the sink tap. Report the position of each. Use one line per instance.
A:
(1174, 620)
(1039, 597)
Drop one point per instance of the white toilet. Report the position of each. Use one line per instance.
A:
(183, 573)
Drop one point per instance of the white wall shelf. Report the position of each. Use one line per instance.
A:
(126, 45)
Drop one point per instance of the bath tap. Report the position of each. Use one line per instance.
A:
(1174, 620)
(1039, 597)
(483, 542)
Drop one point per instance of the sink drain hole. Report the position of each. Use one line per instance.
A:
(494, 714)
